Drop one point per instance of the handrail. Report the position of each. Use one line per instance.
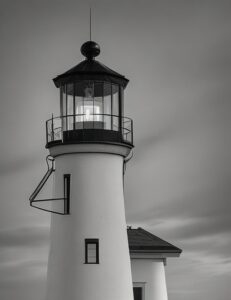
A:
(81, 115)
(56, 126)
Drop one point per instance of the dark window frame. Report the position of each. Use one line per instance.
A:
(141, 286)
(66, 191)
(94, 242)
(138, 296)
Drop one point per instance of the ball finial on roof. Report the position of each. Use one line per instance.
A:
(90, 49)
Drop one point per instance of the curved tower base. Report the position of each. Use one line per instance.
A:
(97, 214)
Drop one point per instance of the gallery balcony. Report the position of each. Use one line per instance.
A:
(89, 128)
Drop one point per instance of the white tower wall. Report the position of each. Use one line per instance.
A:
(152, 274)
(96, 211)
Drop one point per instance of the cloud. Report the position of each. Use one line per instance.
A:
(23, 262)
(24, 237)
(17, 163)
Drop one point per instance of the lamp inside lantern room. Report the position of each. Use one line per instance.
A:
(88, 108)
(91, 107)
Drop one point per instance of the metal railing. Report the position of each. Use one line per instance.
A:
(55, 127)
(39, 203)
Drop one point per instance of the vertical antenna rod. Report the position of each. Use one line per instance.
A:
(90, 23)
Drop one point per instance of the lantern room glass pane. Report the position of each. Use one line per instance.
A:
(88, 102)
(121, 103)
(78, 106)
(107, 106)
(98, 105)
(64, 106)
(115, 107)
(69, 107)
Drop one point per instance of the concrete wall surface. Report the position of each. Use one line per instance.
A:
(96, 211)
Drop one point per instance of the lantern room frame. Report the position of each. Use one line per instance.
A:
(83, 119)
(91, 104)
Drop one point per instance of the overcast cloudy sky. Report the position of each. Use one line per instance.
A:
(177, 55)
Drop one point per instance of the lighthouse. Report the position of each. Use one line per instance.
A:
(88, 143)
(93, 254)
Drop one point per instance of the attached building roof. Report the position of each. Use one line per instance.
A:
(143, 244)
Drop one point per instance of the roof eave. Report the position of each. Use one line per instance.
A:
(153, 255)
(64, 79)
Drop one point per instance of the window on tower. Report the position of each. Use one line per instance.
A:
(91, 251)
(67, 180)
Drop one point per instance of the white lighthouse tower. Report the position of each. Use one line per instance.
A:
(88, 145)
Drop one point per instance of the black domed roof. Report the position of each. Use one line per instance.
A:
(90, 69)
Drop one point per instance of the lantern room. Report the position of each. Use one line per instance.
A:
(91, 104)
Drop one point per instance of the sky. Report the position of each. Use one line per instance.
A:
(177, 55)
